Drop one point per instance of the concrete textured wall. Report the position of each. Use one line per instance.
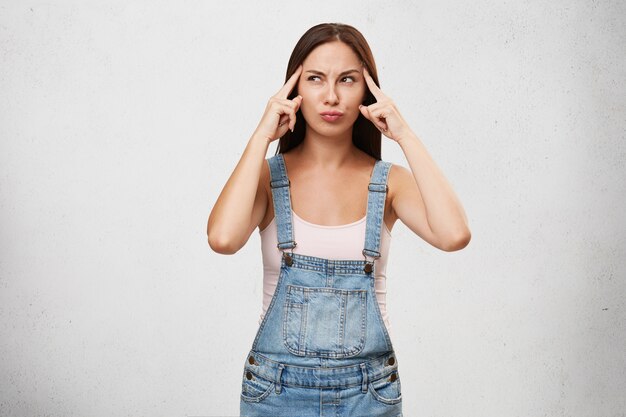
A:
(121, 121)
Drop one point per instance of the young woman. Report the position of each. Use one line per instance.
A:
(325, 205)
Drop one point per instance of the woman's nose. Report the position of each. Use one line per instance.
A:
(331, 95)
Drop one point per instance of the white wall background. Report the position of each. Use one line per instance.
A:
(121, 121)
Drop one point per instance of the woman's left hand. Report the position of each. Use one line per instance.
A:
(383, 114)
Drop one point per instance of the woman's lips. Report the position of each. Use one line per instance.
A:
(331, 116)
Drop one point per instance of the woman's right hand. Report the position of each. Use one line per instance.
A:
(241, 205)
(280, 110)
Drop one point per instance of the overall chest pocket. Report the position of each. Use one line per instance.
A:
(324, 322)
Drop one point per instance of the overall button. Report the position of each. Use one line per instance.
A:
(368, 268)
(393, 377)
(251, 360)
(288, 260)
(391, 361)
(249, 375)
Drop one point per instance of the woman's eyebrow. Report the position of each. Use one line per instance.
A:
(316, 72)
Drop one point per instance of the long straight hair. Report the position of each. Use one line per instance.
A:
(365, 135)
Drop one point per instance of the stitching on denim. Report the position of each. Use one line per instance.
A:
(263, 395)
(301, 349)
(379, 316)
(377, 396)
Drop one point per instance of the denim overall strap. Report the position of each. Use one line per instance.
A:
(377, 191)
(282, 203)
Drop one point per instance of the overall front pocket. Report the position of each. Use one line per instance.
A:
(255, 388)
(324, 322)
(387, 390)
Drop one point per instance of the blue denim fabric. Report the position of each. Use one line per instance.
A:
(322, 348)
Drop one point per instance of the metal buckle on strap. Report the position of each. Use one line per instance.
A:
(284, 243)
(378, 187)
(365, 255)
(288, 258)
(280, 183)
(369, 265)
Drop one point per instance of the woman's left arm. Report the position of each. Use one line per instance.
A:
(423, 199)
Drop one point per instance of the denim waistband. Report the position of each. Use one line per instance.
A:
(343, 376)
(327, 266)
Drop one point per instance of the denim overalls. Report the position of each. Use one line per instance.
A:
(322, 348)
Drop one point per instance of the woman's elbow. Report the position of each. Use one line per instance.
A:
(222, 244)
(458, 242)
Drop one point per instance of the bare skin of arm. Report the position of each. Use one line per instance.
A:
(241, 205)
(423, 199)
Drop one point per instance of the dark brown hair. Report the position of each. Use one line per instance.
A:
(365, 135)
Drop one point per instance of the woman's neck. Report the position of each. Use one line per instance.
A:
(326, 151)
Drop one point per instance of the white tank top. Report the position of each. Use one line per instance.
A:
(329, 242)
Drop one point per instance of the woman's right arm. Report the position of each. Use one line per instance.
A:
(241, 205)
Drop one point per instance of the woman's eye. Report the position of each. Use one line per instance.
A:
(313, 78)
(348, 79)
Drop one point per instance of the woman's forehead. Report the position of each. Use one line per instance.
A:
(332, 56)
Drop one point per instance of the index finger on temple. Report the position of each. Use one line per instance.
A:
(290, 84)
(376, 92)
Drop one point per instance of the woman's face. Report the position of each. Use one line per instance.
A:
(332, 88)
